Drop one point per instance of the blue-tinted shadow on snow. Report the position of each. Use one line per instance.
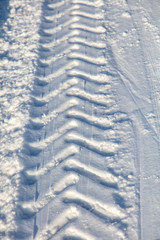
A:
(4, 13)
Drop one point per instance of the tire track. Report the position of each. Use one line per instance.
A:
(99, 176)
(33, 175)
(39, 123)
(102, 148)
(92, 205)
(60, 222)
(74, 131)
(99, 79)
(103, 123)
(42, 100)
(31, 208)
(74, 233)
(34, 148)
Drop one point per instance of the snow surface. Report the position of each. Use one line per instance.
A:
(80, 119)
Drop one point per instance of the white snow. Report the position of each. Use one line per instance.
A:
(80, 119)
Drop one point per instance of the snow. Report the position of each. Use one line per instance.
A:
(79, 119)
(18, 56)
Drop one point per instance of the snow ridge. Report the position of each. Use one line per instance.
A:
(18, 54)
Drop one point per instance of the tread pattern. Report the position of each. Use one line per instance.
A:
(74, 135)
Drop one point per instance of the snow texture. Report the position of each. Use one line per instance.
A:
(79, 119)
